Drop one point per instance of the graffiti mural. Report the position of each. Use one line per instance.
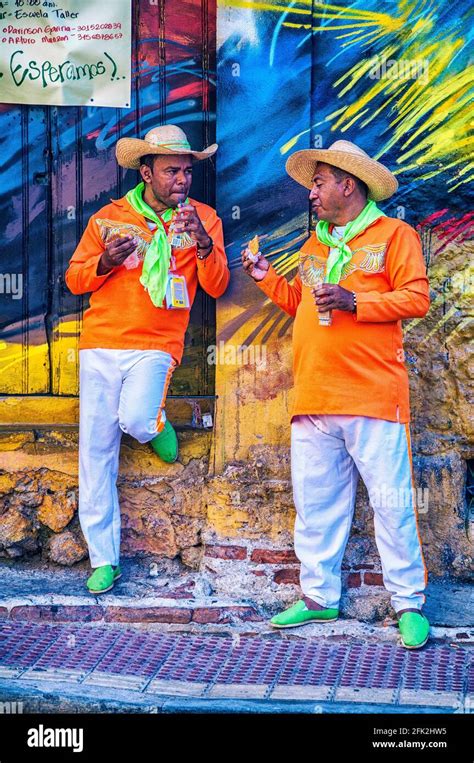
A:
(396, 78)
(58, 167)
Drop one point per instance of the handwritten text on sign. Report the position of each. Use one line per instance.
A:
(65, 52)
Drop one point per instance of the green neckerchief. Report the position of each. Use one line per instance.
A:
(156, 264)
(341, 254)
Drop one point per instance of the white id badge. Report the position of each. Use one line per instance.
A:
(176, 292)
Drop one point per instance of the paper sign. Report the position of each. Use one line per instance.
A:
(65, 53)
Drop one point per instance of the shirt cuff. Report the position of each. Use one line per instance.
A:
(267, 284)
(93, 264)
(211, 257)
(364, 312)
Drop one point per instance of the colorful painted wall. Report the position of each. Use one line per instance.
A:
(395, 78)
(58, 166)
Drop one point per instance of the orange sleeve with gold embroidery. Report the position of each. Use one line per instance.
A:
(406, 272)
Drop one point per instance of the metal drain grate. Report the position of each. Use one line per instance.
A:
(21, 645)
(136, 654)
(314, 664)
(210, 659)
(77, 649)
(195, 659)
(254, 661)
(442, 669)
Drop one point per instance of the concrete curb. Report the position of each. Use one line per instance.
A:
(47, 697)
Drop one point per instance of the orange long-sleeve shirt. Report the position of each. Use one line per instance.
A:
(355, 366)
(121, 314)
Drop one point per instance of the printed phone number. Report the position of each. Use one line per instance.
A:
(115, 36)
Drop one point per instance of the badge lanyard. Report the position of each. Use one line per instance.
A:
(177, 296)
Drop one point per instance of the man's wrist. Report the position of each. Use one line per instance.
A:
(203, 251)
(102, 267)
(205, 246)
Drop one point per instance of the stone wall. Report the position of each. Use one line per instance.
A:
(163, 511)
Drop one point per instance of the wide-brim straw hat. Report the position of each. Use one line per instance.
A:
(347, 156)
(164, 140)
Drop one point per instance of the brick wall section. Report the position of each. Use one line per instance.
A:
(373, 578)
(226, 552)
(273, 556)
(221, 615)
(291, 575)
(353, 580)
(281, 566)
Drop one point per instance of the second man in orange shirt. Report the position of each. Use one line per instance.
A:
(360, 274)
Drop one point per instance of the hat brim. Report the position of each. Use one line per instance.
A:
(379, 180)
(129, 151)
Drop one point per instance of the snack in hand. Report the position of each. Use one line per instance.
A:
(133, 259)
(253, 249)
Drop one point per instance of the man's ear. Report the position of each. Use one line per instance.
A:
(349, 186)
(146, 173)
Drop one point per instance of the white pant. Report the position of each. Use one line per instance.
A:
(120, 391)
(327, 453)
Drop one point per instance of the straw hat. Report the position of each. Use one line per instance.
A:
(347, 156)
(167, 139)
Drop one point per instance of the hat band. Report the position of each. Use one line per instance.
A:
(176, 146)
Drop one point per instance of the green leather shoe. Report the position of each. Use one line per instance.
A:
(299, 614)
(165, 444)
(103, 578)
(414, 630)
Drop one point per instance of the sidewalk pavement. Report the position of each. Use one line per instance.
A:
(156, 644)
(107, 668)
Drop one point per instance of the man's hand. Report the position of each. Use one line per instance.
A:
(188, 221)
(116, 253)
(330, 296)
(256, 270)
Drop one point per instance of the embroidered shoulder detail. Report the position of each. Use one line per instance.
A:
(347, 270)
(111, 229)
(374, 260)
(311, 269)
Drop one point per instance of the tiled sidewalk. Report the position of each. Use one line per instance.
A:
(210, 666)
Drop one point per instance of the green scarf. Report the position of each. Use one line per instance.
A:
(156, 264)
(341, 253)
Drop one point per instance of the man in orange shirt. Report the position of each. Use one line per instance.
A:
(360, 273)
(142, 258)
